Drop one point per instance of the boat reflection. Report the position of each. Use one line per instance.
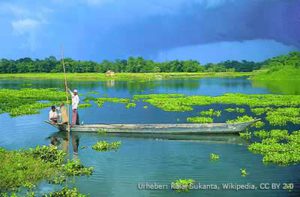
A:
(213, 138)
(61, 140)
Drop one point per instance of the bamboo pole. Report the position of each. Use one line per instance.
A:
(66, 87)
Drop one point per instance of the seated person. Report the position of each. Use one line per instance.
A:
(53, 116)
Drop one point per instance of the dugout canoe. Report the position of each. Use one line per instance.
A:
(189, 128)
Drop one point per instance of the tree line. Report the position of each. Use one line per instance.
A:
(131, 65)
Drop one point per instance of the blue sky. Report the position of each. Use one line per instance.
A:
(205, 30)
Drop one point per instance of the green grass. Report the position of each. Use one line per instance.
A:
(120, 76)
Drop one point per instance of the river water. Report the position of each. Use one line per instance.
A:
(154, 160)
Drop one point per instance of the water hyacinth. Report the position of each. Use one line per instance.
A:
(241, 119)
(200, 119)
(278, 147)
(182, 185)
(237, 110)
(243, 172)
(214, 157)
(101, 101)
(211, 112)
(36, 164)
(28, 101)
(106, 146)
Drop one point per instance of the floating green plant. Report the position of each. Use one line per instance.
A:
(102, 131)
(262, 134)
(258, 124)
(75, 168)
(260, 110)
(237, 110)
(85, 105)
(214, 156)
(130, 105)
(101, 101)
(186, 103)
(241, 119)
(279, 147)
(211, 112)
(246, 135)
(182, 185)
(28, 100)
(26, 168)
(243, 172)
(65, 192)
(145, 107)
(200, 119)
(106, 146)
(281, 116)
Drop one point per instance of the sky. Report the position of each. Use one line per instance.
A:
(161, 30)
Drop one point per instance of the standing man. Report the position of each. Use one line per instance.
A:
(75, 102)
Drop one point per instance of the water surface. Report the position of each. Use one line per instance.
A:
(159, 160)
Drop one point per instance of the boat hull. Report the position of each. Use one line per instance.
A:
(209, 128)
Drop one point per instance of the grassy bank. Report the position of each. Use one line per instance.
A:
(120, 76)
(280, 68)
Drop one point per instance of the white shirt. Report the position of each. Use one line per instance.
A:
(52, 114)
(75, 100)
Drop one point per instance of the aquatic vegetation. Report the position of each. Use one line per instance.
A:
(237, 110)
(281, 116)
(130, 105)
(200, 119)
(49, 154)
(285, 152)
(214, 156)
(241, 119)
(101, 101)
(20, 169)
(85, 105)
(258, 124)
(102, 131)
(279, 134)
(262, 134)
(25, 168)
(186, 103)
(106, 146)
(65, 192)
(246, 135)
(75, 168)
(28, 101)
(260, 110)
(145, 107)
(182, 185)
(243, 172)
(211, 112)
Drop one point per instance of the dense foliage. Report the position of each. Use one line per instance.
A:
(26, 168)
(131, 65)
(284, 67)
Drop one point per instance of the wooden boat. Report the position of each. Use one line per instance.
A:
(208, 128)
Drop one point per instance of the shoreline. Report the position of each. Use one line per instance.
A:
(120, 76)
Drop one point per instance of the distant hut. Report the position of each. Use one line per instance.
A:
(110, 73)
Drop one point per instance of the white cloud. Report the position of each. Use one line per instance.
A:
(26, 22)
(23, 26)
